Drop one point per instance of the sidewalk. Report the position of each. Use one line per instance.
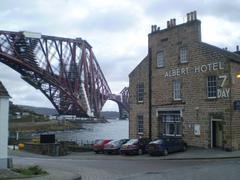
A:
(190, 154)
(194, 153)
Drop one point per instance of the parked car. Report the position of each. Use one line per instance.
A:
(135, 146)
(166, 145)
(99, 145)
(114, 146)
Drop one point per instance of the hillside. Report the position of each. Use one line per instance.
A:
(40, 110)
(51, 111)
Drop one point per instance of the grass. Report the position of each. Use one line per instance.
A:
(31, 171)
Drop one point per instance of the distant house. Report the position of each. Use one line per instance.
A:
(4, 109)
(20, 115)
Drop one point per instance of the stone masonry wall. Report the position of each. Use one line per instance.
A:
(197, 108)
(235, 91)
(203, 60)
(139, 75)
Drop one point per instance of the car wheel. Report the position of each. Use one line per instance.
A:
(165, 152)
(96, 152)
(118, 152)
(184, 147)
(140, 152)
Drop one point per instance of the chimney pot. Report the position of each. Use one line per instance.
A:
(188, 17)
(155, 27)
(168, 24)
(174, 22)
(194, 15)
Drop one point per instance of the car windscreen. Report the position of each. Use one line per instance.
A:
(132, 141)
(116, 142)
(158, 141)
(98, 141)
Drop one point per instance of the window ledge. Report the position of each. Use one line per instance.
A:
(183, 63)
(211, 99)
(178, 135)
(161, 67)
(178, 101)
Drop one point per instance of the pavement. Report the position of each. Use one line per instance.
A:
(58, 172)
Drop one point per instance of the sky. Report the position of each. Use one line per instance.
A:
(116, 29)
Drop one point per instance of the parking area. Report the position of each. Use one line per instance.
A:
(191, 153)
(115, 167)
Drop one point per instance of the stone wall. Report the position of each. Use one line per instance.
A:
(139, 75)
(196, 108)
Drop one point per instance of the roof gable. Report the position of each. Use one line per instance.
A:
(145, 59)
(3, 91)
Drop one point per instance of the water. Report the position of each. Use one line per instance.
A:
(115, 129)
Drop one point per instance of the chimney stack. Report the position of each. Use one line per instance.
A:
(237, 48)
(171, 23)
(155, 28)
(192, 16)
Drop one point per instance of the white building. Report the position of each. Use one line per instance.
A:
(4, 109)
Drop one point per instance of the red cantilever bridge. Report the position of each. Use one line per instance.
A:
(65, 70)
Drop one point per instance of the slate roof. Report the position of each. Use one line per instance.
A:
(3, 91)
(230, 55)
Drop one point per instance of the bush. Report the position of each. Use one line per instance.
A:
(32, 170)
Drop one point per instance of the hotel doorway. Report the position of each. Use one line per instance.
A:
(216, 133)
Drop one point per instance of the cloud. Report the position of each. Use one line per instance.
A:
(112, 20)
(117, 31)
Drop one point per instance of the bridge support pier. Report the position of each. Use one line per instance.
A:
(123, 114)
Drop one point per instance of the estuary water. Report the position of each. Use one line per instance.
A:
(114, 129)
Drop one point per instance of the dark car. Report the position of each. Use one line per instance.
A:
(166, 145)
(113, 147)
(99, 145)
(135, 146)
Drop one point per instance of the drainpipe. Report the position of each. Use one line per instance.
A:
(150, 91)
(230, 104)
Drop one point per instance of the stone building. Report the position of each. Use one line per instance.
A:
(4, 108)
(185, 87)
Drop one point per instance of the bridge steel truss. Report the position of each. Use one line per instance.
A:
(65, 70)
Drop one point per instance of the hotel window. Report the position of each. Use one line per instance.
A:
(172, 125)
(140, 124)
(212, 87)
(183, 55)
(160, 59)
(177, 90)
(140, 92)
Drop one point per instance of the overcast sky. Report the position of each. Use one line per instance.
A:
(117, 30)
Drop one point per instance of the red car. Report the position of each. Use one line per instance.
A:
(99, 145)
